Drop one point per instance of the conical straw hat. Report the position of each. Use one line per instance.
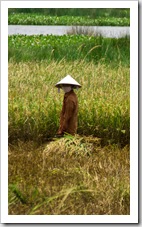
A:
(68, 80)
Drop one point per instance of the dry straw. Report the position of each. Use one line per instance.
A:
(73, 176)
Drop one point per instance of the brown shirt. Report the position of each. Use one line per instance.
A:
(68, 117)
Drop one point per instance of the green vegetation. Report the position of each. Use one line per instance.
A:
(73, 47)
(70, 16)
(34, 19)
(91, 12)
(69, 176)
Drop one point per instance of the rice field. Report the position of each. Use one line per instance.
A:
(35, 105)
(88, 174)
(69, 176)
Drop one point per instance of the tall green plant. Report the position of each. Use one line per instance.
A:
(73, 47)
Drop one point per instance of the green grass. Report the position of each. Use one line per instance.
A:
(69, 176)
(40, 19)
(69, 47)
(91, 12)
(35, 105)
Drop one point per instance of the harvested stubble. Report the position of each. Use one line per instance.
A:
(71, 175)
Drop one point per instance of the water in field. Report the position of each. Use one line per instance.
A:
(105, 31)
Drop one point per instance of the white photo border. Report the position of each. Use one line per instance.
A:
(133, 217)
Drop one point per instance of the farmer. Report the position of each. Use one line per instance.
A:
(68, 116)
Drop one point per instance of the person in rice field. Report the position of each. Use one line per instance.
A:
(68, 116)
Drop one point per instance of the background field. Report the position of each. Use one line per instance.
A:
(95, 17)
(113, 12)
(85, 174)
